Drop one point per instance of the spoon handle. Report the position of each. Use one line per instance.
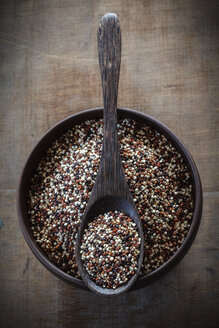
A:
(109, 49)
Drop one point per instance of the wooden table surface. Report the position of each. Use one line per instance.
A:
(49, 70)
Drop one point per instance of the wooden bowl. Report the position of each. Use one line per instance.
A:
(58, 130)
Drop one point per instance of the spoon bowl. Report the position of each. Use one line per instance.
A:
(102, 206)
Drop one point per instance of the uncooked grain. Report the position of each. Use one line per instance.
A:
(157, 175)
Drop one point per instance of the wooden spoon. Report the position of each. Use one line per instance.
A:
(110, 191)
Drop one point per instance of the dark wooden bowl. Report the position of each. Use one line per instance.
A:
(62, 127)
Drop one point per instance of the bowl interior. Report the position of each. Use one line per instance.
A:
(58, 130)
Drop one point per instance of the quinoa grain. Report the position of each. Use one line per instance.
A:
(156, 173)
(110, 255)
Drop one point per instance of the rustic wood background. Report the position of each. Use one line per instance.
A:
(49, 70)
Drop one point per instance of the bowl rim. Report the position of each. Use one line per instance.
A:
(97, 113)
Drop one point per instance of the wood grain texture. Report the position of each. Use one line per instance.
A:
(109, 49)
(49, 69)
